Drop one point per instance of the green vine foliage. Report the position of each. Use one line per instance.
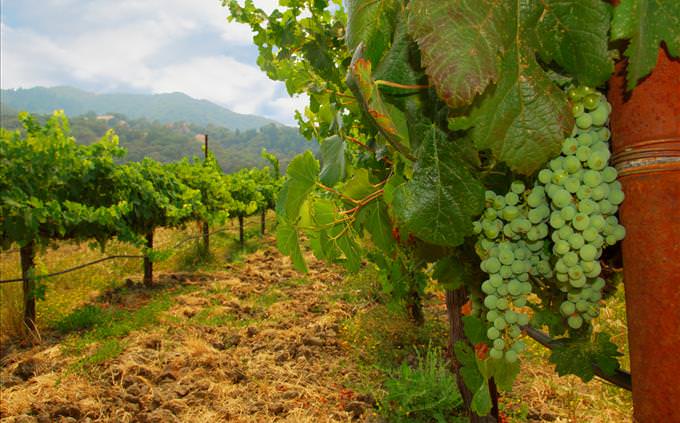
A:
(419, 107)
(206, 177)
(54, 189)
(246, 198)
(158, 198)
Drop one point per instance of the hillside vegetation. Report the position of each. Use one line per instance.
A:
(165, 108)
(234, 149)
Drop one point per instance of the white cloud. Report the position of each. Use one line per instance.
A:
(285, 108)
(116, 47)
(242, 88)
(19, 66)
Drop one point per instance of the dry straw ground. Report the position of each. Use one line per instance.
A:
(253, 341)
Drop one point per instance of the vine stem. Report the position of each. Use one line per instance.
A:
(359, 143)
(338, 193)
(402, 86)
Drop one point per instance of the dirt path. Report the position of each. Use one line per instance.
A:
(255, 343)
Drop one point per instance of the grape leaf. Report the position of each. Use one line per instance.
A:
(573, 33)
(461, 42)
(302, 173)
(545, 317)
(474, 329)
(472, 378)
(447, 272)
(437, 205)
(371, 22)
(577, 356)
(646, 23)
(287, 242)
(504, 373)
(352, 261)
(481, 400)
(335, 238)
(358, 186)
(522, 116)
(401, 63)
(525, 118)
(459, 268)
(376, 221)
(333, 169)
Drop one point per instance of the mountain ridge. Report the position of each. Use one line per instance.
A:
(165, 107)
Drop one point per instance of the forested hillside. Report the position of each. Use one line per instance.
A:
(169, 142)
(166, 108)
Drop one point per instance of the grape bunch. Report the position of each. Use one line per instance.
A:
(584, 197)
(554, 231)
(513, 231)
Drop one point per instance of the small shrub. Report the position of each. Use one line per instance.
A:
(425, 393)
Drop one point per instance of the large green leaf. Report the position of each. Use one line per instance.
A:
(646, 23)
(461, 43)
(522, 116)
(438, 204)
(472, 377)
(459, 268)
(287, 242)
(573, 33)
(578, 356)
(371, 22)
(481, 400)
(302, 172)
(376, 221)
(524, 120)
(333, 161)
(401, 63)
(475, 329)
(358, 186)
(504, 373)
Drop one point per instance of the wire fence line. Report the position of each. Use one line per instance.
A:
(91, 263)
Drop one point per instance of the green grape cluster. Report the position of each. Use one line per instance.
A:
(554, 231)
(512, 242)
(584, 198)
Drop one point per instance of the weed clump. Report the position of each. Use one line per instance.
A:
(425, 392)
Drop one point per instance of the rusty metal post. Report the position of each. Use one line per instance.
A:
(645, 126)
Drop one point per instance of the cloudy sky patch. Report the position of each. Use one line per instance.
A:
(141, 46)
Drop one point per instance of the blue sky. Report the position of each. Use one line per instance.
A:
(140, 46)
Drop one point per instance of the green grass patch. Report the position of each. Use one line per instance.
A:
(214, 316)
(101, 324)
(294, 282)
(109, 349)
(84, 318)
(269, 297)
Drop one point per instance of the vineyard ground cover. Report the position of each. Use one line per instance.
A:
(252, 340)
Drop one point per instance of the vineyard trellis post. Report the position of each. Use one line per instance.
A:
(241, 234)
(27, 253)
(645, 127)
(206, 226)
(263, 221)
(148, 263)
